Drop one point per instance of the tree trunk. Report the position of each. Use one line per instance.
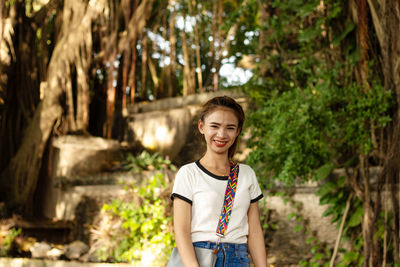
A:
(154, 77)
(111, 93)
(197, 44)
(172, 82)
(126, 11)
(188, 87)
(214, 29)
(73, 48)
(135, 28)
(164, 79)
(367, 223)
(385, 16)
(132, 75)
(143, 88)
(189, 84)
(263, 35)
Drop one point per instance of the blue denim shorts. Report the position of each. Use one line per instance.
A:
(229, 255)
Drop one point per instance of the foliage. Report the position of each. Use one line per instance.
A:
(139, 226)
(314, 112)
(7, 240)
(335, 193)
(304, 133)
(146, 161)
(310, 113)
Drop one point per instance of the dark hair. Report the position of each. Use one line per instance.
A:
(225, 102)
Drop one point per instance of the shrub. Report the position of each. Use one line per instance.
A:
(7, 238)
(138, 227)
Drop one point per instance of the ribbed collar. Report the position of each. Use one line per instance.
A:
(219, 177)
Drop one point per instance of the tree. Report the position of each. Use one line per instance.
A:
(72, 67)
(323, 103)
(65, 88)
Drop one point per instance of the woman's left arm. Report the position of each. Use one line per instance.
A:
(256, 237)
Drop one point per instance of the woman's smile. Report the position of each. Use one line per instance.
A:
(220, 143)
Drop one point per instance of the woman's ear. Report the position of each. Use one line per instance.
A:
(238, 132)
(200, 125)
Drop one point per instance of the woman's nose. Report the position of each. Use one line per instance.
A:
(221, 132)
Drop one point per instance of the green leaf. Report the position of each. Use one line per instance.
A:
(292, 215)
(305, 10)
(298, 228)
(310, 33)
(323, 171)
(318, 256)
(350, 256)
(349, 27)
(326, 188)
(356, 217)
(310, 240)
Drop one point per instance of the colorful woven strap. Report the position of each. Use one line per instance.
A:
(228, 201)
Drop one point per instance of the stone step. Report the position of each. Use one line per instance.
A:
(83, 155)
(105, 178)
(67, 193)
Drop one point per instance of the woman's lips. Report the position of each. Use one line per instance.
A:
(220, 143)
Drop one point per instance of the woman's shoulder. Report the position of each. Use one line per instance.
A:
(244, 166)
(246, 170)
(189, 165)
(187, 168)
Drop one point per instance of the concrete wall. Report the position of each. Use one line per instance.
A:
(169, 126)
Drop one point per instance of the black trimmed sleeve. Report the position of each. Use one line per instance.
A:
(175, 195)
(257, 198)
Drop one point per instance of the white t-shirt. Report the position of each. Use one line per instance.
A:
(205, 192)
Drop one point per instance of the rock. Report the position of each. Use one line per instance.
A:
(91, 256)
(54, 254)
(40, 250)
(24, 243)
(75, 250)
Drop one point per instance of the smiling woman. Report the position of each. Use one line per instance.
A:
(201, 188)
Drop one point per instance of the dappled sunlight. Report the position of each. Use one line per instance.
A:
(164, 131)
(157, 137)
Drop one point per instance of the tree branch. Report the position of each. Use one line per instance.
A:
(339, 236)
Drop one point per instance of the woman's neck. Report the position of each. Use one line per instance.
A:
(215, 161)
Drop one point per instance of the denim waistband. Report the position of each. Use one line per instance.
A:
(229, 246)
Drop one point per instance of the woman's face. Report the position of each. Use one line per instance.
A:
(220, 129)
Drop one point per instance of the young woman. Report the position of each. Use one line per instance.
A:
(199, 190)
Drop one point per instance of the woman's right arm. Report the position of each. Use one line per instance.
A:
(182, 224)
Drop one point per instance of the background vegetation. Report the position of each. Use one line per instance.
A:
(324, 83)
(138, 227)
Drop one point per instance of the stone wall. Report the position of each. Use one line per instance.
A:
(169, 126)
(287, 247)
